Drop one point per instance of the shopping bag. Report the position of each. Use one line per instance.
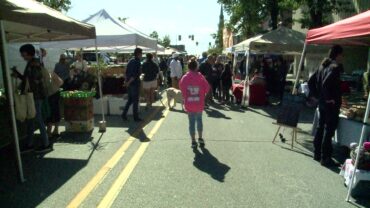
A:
(20, 102)
(31, 109)
(55, 84)
(24, 103)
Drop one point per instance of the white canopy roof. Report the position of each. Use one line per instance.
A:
(282, 40)
(26, 20)
(126, 49)
(110, 33)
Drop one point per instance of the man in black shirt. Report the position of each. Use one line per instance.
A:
(330, 100)
(132, 83)
(205, 69)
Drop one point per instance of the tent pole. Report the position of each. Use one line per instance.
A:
(234, 61)
(363, 132)
(245, 100)
(299, 69)
(4, 61)
(102, 123)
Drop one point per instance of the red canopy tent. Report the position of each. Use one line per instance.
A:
(351, 31)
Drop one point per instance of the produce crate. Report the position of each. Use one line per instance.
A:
(79, 112)
(78, 106)
(80, 126)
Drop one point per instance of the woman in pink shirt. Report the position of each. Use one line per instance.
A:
(194, 88)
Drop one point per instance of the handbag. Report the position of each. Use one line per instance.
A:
(56, 83)
(24, 104)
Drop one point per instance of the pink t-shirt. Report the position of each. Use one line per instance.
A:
(194, 88)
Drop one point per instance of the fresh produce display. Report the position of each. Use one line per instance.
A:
(78, 110)
(353, 107)
(78, 94)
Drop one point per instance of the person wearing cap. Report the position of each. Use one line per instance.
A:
(132, 82)
(176, 70)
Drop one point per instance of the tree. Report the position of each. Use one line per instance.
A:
(154, 35)
(246, 16)
(166, 42)
(60, 5)
(317, 13)
(123, 19)
(220, 33)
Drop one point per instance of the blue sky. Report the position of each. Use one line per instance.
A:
(181, 17)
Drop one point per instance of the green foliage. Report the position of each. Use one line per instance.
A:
(60, 5)
(245, 15)
(318, 13)
(214, 50)
(123, 19)
(166, 41)
(154, 35)
(219, 36)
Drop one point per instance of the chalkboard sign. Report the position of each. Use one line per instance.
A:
(289, 115)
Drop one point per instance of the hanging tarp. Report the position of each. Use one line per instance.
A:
(26, 20)
(30, 21)
(351, 31)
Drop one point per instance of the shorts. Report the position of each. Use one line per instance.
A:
(150, 84)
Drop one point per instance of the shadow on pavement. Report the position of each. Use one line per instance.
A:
(44, 176)
(216, 114)
(136, 129)
(75, 138)
(209, 164)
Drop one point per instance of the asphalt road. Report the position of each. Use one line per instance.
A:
(155, 167)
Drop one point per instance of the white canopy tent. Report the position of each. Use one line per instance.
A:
(127, 49)
(110, 32)
(169, 51)
(28, 20)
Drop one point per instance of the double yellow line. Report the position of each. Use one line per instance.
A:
(112, 162)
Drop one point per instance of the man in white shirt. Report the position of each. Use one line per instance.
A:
(176, 70)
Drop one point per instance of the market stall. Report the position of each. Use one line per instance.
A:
(112, 35)
(280, 41)
(30, 21)
(351, 31)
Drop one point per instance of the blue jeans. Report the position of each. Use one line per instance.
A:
(195, 118)
(133, 98)
(40, 123)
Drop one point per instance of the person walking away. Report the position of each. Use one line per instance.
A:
(194, 88)
(33, 75)
(132, 82)
(163, 71)
(205, 69)
(226, 82)
(176, 71)
(330, 100)
(216, 74)
(150, 70)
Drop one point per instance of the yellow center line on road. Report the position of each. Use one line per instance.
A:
(108, 166)
(118, 184)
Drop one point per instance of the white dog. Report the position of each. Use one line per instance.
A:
(174, 95)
